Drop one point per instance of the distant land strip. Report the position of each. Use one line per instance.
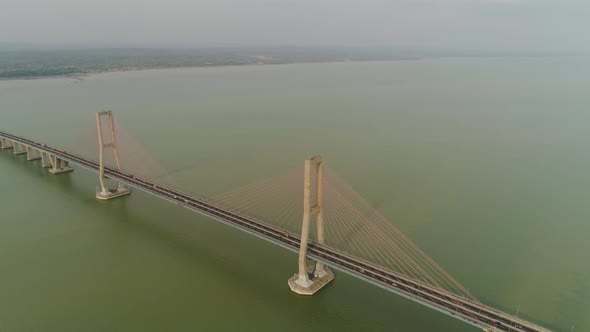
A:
(72, 62)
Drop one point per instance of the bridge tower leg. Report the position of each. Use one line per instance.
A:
(108, 193)
(311, 279)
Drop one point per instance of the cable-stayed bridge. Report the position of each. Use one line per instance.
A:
(348, 234)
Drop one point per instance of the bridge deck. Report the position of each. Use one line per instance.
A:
(460, 308)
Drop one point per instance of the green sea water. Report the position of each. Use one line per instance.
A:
(484, 163)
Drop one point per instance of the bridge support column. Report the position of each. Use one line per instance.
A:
(18, 148)
(310, 279)
(59, 166)
(32, 154)
(45, 160)
(5, 144)
(108, 193)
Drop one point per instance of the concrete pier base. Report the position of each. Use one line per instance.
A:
(59, 166)
(56, 171)
(112, 193)
(311, 286)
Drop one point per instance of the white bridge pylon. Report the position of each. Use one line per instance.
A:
(310, 279)
(108, 193)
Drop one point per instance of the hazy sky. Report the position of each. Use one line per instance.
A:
(531, 25)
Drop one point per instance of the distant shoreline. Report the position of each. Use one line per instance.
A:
(113, 67)
(82, 75)
(79, 63)
(35, 64)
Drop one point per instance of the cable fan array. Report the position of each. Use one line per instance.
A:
(351, 224)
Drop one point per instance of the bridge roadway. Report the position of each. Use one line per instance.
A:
(471, 312)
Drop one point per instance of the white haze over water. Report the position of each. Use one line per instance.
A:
(474, 25)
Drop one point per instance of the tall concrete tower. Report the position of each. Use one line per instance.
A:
(310, 279)
(107, 193)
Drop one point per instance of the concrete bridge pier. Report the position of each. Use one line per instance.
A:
(32, 154)
(311, 279)
(59, 166)
(45, 159)
(5, 144)
(18, 148)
